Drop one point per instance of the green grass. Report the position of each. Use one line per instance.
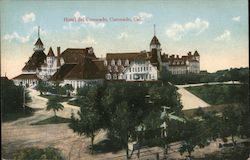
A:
(61, 98)
(52, 120)
(218, 94)
(13, 116)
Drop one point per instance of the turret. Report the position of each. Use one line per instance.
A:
(39, 43)
(155, 44)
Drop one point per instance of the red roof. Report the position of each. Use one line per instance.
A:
(26, 76)
(35, 61)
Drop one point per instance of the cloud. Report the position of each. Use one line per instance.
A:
(122, 35)
(86, 41)
(23, 39)
(225, 36)
(177, 31)
(71, 27)
(16, 36)
(142, 16)
(236, 19)
(29, 17)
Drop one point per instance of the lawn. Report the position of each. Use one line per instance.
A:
(52, 120)
(219, 94)
(61, 98)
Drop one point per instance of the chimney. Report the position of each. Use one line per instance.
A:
(58, 57)
(58, 51)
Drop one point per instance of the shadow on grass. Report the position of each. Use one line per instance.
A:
(106, 146)
(52, 120)
(22, 113)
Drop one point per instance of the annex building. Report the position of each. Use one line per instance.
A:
(80, 66)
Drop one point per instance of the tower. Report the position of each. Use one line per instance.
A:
(155, 47)
(39, 43)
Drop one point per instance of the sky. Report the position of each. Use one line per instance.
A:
(218, 30)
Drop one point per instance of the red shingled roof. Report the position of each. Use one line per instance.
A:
(26, 76)
(35, 61)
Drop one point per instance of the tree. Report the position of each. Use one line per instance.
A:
(54, 104)
(69, 88)
(194, 134)
(42, 87)
(89, 121)
(230, 122)
(12, 97)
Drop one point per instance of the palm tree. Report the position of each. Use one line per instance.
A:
(54, 104)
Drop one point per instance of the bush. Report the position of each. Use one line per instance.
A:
(37, 153)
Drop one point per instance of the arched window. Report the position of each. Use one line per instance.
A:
(126, 62)
(114, 76)
(119, 62)
(120, 76)
(112, 62)
(109, 68)
(108, 76)
(105, 62)
(116, 69)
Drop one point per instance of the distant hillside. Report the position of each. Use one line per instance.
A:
(233, 74)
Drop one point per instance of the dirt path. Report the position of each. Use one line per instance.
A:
(190, 101)
(20, 133)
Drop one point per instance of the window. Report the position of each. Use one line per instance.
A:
(149, 68)
(114, 76)
(130, 76)
(109, 68)
(120, 76)
(138, 69)
(108, 76)
(116, 69)
(144, 68)
(105, 63)
(133, 69)
(129, 69)
(126, 62)
(149, 76)
(112, 62)
(119, 62)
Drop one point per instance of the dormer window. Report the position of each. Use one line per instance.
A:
(109, 68)
(90, 50)
(126, 62)
(112, 62)
(105, 63)
(116, 69)
(119, 62)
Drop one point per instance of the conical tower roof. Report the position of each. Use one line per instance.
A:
(155, 41)
(39, 42)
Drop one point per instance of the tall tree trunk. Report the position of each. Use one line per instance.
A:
(234, 143)
(127, 146)
(92, 142)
